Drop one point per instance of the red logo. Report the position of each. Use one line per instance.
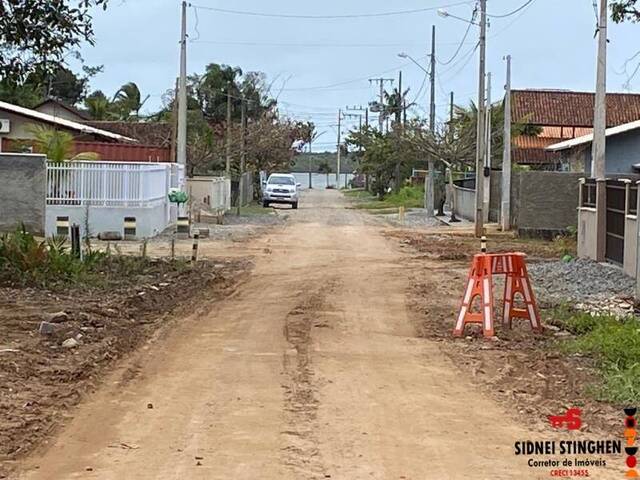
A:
(571, 419)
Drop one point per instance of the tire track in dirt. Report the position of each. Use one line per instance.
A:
(302, 454)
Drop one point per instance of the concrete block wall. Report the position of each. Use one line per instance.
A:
(150, 221)
(23, 193)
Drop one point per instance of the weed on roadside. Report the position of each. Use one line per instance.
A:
(409, 197)
(27, 261)
(614, 345)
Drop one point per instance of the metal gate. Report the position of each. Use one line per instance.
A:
(616, 203)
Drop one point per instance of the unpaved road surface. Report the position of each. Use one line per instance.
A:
(310, 370)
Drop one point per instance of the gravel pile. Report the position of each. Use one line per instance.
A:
(581, 282)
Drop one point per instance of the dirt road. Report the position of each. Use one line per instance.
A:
(310, 370)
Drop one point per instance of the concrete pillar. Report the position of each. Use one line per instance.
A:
(601, 219)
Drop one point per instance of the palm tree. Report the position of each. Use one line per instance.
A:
(98, 106)
(395, 103)
(128, 99)
(57, 145)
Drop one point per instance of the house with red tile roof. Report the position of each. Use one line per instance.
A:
(562, 115)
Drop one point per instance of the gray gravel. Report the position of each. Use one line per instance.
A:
(415, 217)
(579, 281)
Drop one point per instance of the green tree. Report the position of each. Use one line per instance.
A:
(57, 145)
(128, 101)
(35, 34)
(395, 104)
(325, 168)
(625, 10)
(463, 131)
(98, 106)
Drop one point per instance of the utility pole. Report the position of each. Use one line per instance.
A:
(309, 164)
(506, 155)
(398, 132)
(429, 197)
(480, 136)
(182, 92)
(486, 188)
(243, 144)
(339, 150)
(598, 168)
(381, 82)
(228, 159)
(452, 192)
(174, 121)
(451, 105)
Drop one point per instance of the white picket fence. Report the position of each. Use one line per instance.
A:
(110, 183)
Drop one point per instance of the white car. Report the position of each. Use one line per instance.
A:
(281, 188)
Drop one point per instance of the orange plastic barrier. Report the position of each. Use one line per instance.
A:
(480, 285)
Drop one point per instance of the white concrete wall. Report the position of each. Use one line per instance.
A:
(215, 192)
(587, 233)
(630, 245)
(150, 221)
(465, 202)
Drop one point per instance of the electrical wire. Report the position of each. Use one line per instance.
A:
(347, 82)
(326, 17)
(462, 42)
(521, 7)
(522, 12)
(466, 62)
(315, 45)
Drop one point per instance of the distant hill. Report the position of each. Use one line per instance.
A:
(305, 161)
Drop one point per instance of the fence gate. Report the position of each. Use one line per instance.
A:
(616, 202)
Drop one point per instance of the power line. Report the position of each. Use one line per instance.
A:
(325, 17)
(313, 44)
(464, 65)
(462, 42)
(347, 82)
(521, 7)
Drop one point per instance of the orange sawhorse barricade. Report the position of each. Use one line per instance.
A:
(480, 285)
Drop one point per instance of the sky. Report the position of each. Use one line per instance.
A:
(317, 66)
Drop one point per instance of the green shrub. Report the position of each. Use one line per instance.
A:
(614, 345)
(26, 260)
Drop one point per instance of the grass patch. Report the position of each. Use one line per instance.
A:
(408, 197)
(614, 345)
(358, 194)
(253, 209)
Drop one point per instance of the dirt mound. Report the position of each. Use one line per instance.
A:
(463, 247)
(43, 374)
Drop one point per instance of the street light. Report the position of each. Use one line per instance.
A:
(405, 55)
(444, 14)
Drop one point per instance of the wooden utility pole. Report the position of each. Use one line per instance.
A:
(182, 91)
(505, 210)
(480, 135)
(228, 159)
